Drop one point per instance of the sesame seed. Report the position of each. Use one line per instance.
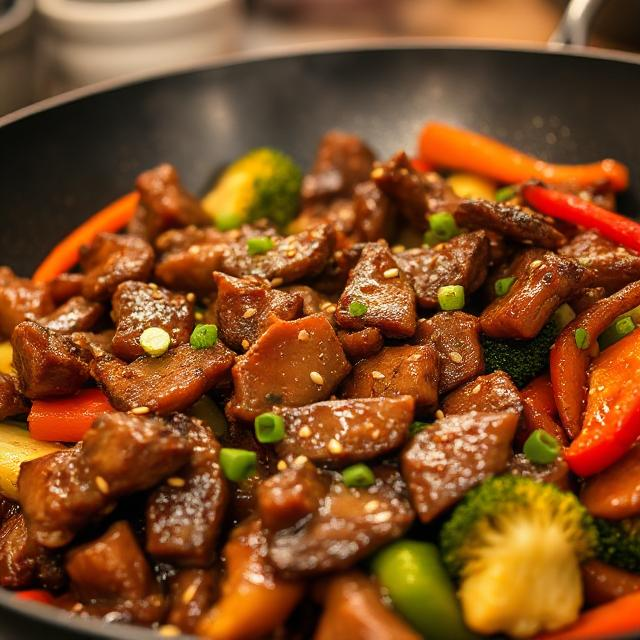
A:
(191, 297)
(455, 357)
(198, 315)
(282, 465)
(584, 261)
(324, 305)
(375, 434)
(383, 516)
(276, 282)
(169, 630)
(378, 172)
(316, 377)
(140, 411)
(398, 248)
(330, 309)
(157, 295)
(300, 461)
(77, 607)
(371, 506)
(153, 286)
(439, 414)
(335, 447)
(176, 482)
(476, 389)
(535, 264)
(378, 375)
(303, 335)
(291, 253)
(414, 357)
(250, 312)
(189, 593)
(102, 484)
(304, 432)
(391, 273)
(245, 344)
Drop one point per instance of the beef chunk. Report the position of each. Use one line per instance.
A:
(111, 574)
(414, 194)
(111, 259)
(192, 592)
(383, 289)
(292, 364)
(461, 261)
(556, 472)
(397, 371)
(349, 524)
(443, 462)
(8, 508)
(184, 515)
(540, 288)
(342, 161)
(47, 364)
(340, 432)
(312, 301)
(509, 220)
(333, 278)
(171, 382)
(21, 299)
(338, 213)
(94, 343)
(374, 214)
(181, 239)
(138, 306)
(456, 337)
(604, 582)
(613, 266)
(66, 286)
(493, 393)
(11, 401)
(76, 314)
(245, 307)
(361, 344)
(586, 298)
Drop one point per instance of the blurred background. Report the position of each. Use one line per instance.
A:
(50, 46)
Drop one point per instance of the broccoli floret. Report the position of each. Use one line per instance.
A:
(619, 542)
(264, 183)
(516, 544)
(523, 360)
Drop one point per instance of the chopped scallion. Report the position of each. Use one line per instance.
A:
(503, 285)
(616, 331)
(269, 428)
(562, 316)
(505, 193)
(582, 339)
(259, 244)
(443, 225)
(541, 447)
(451, 297)
(155, 341)
(358, 475)
(238, 464)
(204, 336)
(357, 309)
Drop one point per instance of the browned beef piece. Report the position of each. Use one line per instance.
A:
(613, 266)
(191, 593)
(171, 382)
(66, 286)
(604, 582)
(47, 363)
(349, 524)
(94, 343)
(333, 278)
(342, 161)
(191, 269)
(384, 290)
(586, 299)
(21, 299)
(76, 314)
(302, 255)
(292, 364)
(184, 514)
(453, 455)
(456, 337)
(461, 261)
(111, 574)
(312, 301)
(12, 402)
(414, 194)
(181, 239)
(138, 306)
(245, 307)
(339, 213)
(374, 214)
(339, 432)
(397, 371)
(556, 472)
(509, 220)
(493, 393)
(540, 288)
(8, 508)
(361, 344)
(111, 259)
(24, 563)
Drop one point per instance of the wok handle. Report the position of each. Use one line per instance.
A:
(576, 23)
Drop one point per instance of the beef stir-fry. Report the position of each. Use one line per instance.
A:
(380, 401)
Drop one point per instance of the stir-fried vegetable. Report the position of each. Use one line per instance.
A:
(619, 542)
(471, 185)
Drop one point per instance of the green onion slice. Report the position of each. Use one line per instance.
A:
(443, 225)
(204, 336)
(451, 297)
(358, 475)
(357, 309)
(238, 464)
(503, 285)
(616, 331)
(581, 336)
(541, 447)
(155, 341)
(269, 428)
(259, 244)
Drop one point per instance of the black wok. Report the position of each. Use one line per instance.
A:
(65, 160)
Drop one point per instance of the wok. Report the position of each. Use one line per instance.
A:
(66, 158)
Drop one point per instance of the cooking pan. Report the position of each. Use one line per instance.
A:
(67, 157)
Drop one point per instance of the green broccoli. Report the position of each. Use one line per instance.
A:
(516, 544)
(523, 360)
(619, 542)
(264, 183)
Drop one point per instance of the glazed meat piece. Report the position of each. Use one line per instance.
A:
(76, 314)
(66, 286)
(509, 220)
(245, 307)
(361, 344)
(456, 337)
(94, 343)
(540, 288)
(397, 371)
(138, 306)
(21, 299)
(339, 432)
(8, 508)
(414, 194)
(302, 255)
(349, 524)
(47, 363)
(181, 239)
(111, 574)
(339, 213)
(613, 266)
(342, 161)
(461, 261)
(586, 299)
(184, 514)
(443, 462)
(333, 278)
(492, 393)
(603, 582)
(556, 472)
(191, 593)
(382, 291)
(312, 301)
(11, 401)
(374, 214)
(171, 382)
(292, 364)
(111, 259)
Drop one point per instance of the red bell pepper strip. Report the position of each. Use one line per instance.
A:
(612, 418)
(568, 363)
(35, 595)
(420, 165)
(67, 419)
(572, 208)
(445, 146)
(619, 616)
(539, 411)
(65, 255)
